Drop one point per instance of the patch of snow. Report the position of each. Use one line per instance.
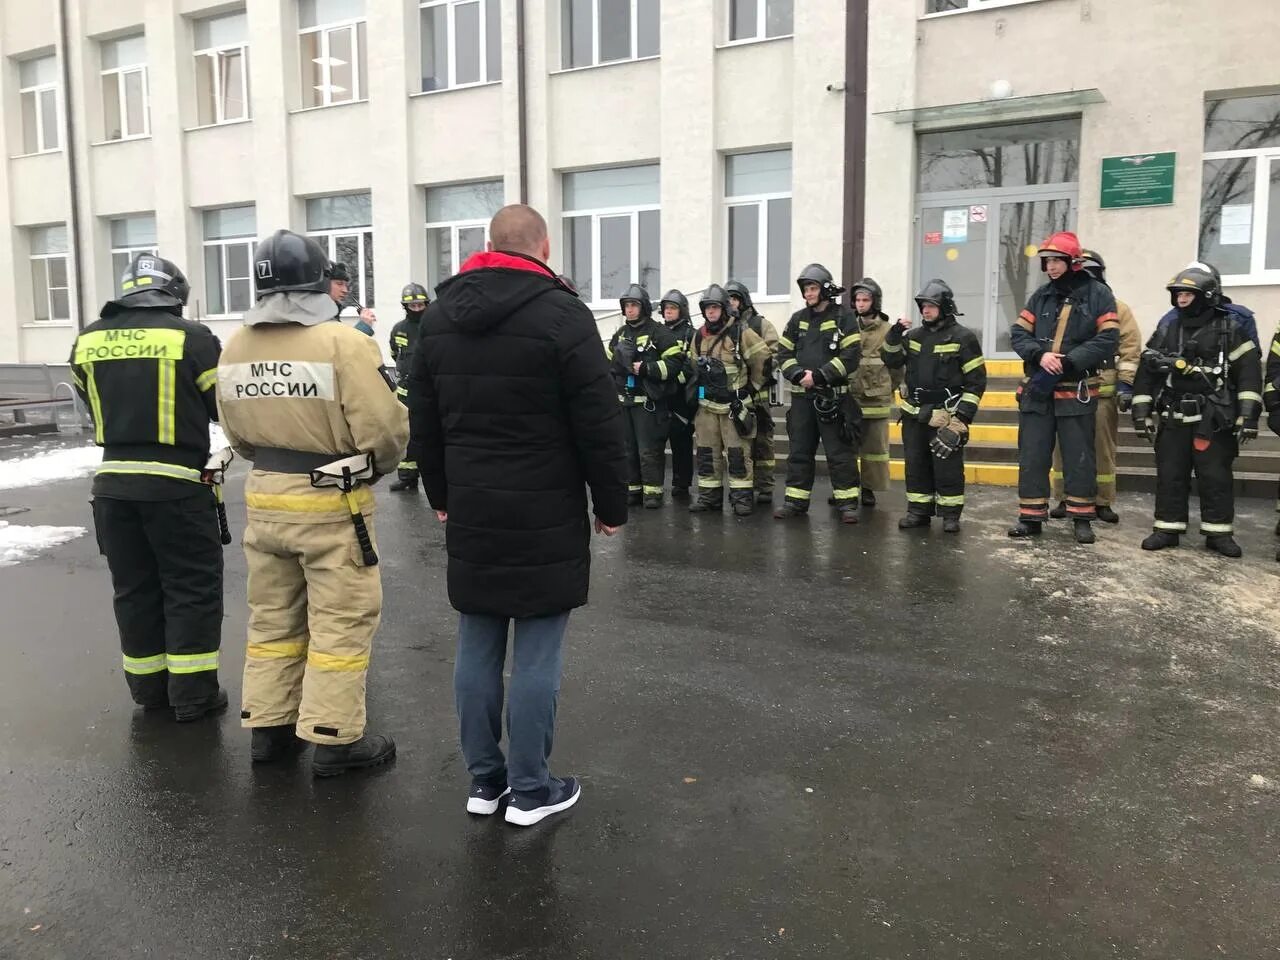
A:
(18, 542)
(41, 468)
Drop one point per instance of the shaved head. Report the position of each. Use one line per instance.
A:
(519, 228)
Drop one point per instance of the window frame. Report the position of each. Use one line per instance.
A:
(51, 320)
(1266, 160)
(359, 95)
(598, 213)
(249, 241)
(36, 92)
(761, 201)
(976, 6)
(451, 42)
(118, 75)
(762, 18)
(213, 55)
(595, 38)
(328, 240)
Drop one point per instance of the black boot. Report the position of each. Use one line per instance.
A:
(743, 503)
(950, 524)
(1159, 540)
(369, 751)
(635, 499)
(707, 505)
(404, 483)
(1224, 544)
(272, 743)
(681, 494)
(849, 513)
(1107, 515)
(653, 501)
(764, 497)
(195, 711)
(1060, 511)
(1026, 528)
(1084, 532)
(868, 498)
(913, 521)
(789, 510)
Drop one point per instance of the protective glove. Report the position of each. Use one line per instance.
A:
(1144, 424)
(1246, 433)
(895, 334)
(1041, 383)
(1124, 397)
(949, 439)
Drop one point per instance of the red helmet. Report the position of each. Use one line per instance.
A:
(1063, 245)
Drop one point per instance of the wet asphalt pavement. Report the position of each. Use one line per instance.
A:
(795, 740)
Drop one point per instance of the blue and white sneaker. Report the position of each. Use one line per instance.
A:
(526, 809)
(485, 798)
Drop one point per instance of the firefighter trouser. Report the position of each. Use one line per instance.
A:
(165, 558)
(804, 429)
(933, 484)
(762, 449)
(1176, 457)
(646, 444)
(313, 610)
(681, 440)
(873, 453)
(1106, 438)
(720, 446)
(406, 470)
(1037, 433)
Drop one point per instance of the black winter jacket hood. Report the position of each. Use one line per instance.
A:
(475, 303)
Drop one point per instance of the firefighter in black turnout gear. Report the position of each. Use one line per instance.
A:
(148, 377)
(404, 339)
(819, 351)
(946, 376)
(647, 363)
(1198, 396)
(674, 308)
(1067, 333)
(762, 447)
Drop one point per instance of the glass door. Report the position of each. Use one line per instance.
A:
(1023, 226)
(954, 247)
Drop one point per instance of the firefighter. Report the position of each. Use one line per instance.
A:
(729, 362)
(762, 447)
(873, 385)
(1115, 396)
(1271, 400)
(404, 337)
(675, 314)
(646, 360)
(147, 377)
(297, 392)
(1198, 397)
(819, 351)
(946, 376)
(1066, 333)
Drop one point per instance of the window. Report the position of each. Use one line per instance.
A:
(612, 231)
(1240, 193)
(759, 19)
(603, 31)
(50, 287)
(757, 191)
(38, 92)
(461, 43)
(1012, 155)
(131, 236)
(126, 101)
(333, 51)
(952, 6)
(344, 227)
(229, 237)
(222, 68)
(458, 225)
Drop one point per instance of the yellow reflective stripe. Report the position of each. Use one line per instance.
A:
(876, 412)
(955, 501)
(1275, 347)
(789, 363)
(795, 493)
(663, 372)
(402, 391)
(407, 465)
(142, 666)
(322, 501)
(166, 401)
(1107, 390)
(1249, 395)
(95, 403)
(78, 379)
(906, 407)
(920, 497)
(876, 457)
(1216, 527)
(756, 349)
(1269, 388)
(193, 662)
(970, 398)
(827, 325)
(129, 345)
(946, 348)
(1141, 398)
(914, 345)
(331, 661)
(1236, 354)
(1169, 525)
(1106, 478)
(850, 340)
(152, 468)
(838, 364)
(673, 351)
(291, 650)
(784, 342)
(973, 364)
(892, 348)
(402, 341)
(652, 491)
(847, 493)
(207, 379)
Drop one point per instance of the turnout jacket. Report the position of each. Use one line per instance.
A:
(147, 376)
(404, 338)
(759, 325)
(1271, 379)
(827, 342)
(874, 381)
(663, 361)
(1089, 343)
(1125, 366)
(942, 356)
(740, 353)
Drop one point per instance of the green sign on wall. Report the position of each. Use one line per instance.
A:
(1142, 180)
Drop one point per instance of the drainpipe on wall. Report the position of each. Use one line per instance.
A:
(522, 102)
(855, 142)
(73, 177)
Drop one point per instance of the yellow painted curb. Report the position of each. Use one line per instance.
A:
(988, 474)
(1004, 368)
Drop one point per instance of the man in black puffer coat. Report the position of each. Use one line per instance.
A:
(513, 415)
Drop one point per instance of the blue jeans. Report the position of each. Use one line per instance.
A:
(531, 709)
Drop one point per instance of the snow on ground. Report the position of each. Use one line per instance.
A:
(19, 543)
(64, 464)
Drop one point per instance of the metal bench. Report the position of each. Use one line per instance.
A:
(37, 386)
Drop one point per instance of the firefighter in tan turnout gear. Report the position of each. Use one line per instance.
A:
(872, 385)
(304, 398)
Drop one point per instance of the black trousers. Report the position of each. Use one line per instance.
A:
(166, 570)
(646, 447)
(1037, 434)
(932, 484)
(804, 430)
(407, 469)
(681, 440)
(1176, 458)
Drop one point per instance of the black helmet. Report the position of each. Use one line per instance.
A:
(736, 288)
(414, 293)
(1091, 262)
(817, 273)
(636, 294)
(714, 294)
(153, 281)
(286, 262)
(873, 290)
(338, 271)
(939, 294)
(677, 298)
(1199, 280)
